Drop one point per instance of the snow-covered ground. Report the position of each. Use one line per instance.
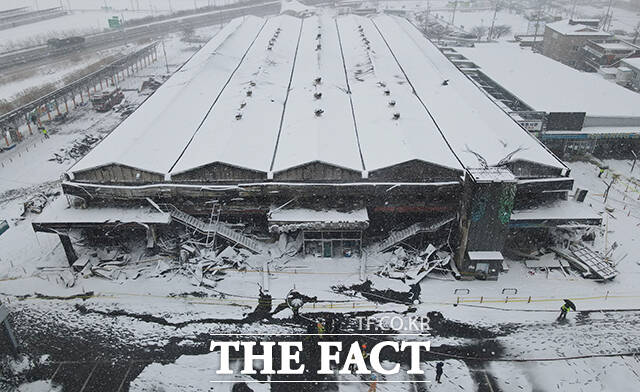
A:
(622, 19)
(56, 72)
(163, 5)
(87, 17)
(468, 19)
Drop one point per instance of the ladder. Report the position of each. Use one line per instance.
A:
(401, 235)
(213, 228)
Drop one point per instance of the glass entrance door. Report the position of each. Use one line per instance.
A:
(326, 249)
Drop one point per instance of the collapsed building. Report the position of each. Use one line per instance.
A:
(355, 133)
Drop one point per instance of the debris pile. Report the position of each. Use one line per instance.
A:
(103, 263)
(35, 204)
(79, 149)
(566, 250)
(149, 86)
(205, 267)
(413, 265)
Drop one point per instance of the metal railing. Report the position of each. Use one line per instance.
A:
(218, 228)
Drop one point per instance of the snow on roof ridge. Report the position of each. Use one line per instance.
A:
(313, 124)
(251, 101)
(153, 136)
(462, 108)
(380, 95)
(550, 86)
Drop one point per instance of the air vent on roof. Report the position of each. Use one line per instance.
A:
(387, 92)
(252, 83)
(319, 35)
(243, 104)
(238, 116)
(318, 47)
(317, 95)
(396, 115)
(392, 103)
(249, 93)
(317, 80)
(319, 112)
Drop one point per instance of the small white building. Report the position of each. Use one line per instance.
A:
(633, 72)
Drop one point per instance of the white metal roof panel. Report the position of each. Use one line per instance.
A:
(249, 142)
(550, 86)
(373, 73)
(153, 136)
(468, 119)
(329, 137)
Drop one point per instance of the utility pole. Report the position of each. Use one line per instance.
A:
(428, 12)
(164, 50)
(573, 9)
(607, 16)
(453, 16)
(535, 33)
(493, 22)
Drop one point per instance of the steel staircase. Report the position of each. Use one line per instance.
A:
(218, 228)
(401, 235)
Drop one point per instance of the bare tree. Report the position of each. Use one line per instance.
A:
(479, 31)
(500, 30)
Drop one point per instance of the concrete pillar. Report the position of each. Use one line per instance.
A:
(29, 125)
(151, 236)
(66, 106)
(68, 248)
(487, 202)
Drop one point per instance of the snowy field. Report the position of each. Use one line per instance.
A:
(55, 72)
(622, 19)
(147, 5)
(87, 17)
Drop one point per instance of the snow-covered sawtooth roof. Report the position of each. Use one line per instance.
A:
(249, 99)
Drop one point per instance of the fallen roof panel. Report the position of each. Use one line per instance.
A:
(59, 213)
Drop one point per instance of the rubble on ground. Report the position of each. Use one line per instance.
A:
(79, 149)
(36, 203)
(413, 265)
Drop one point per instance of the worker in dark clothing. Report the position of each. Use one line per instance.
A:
(564, 309)
(439, 371)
